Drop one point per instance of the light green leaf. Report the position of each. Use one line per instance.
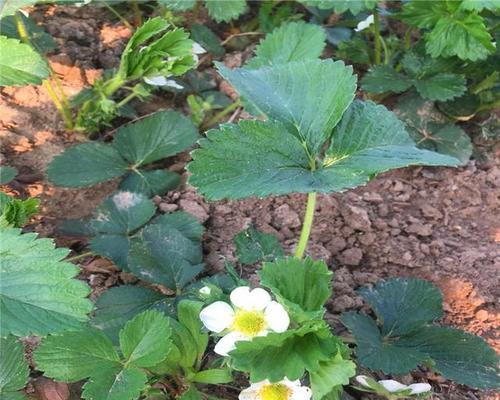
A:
(38, 294)
(119, 304)
(225, 10)
(309, 97)
(479, 5)
(19, 64)
(86, 164)
(383, 78)
(214, 376)
(188, 312)
(7, 174)
(285, 354)
(15, 212)
(158, 136)
(178, 5)
(145, 340)
(253, 246)
(115, 384)
(165, 251)
(331, 373)
(14, 369)
(302, 286)
(74, 356)
(303, 42)
(150, 183)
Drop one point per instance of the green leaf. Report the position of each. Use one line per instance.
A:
(207, 39)
(150, 183)
(368, 140)
(167, 251)
(294, 94)
(303, 42)
(112, 246)
(253, 246)
(213, 376)
(341, 6)
(118, 305)
(356, 50)
(431, 129)
(285, 354)
(115, 384)
(86, 164)
(19, 64)
(404, 304)
(441, 87)
(188, 312)
(178, 5)
(38, 294)
(331, 373)
(302, 286)
(145, 340)
(405, 308)
(122, 213)
(10, 7)
(225, 10)
(15, 212)
(14, 369)
(479, 5)
(382, 78)
(7, 174)
(74, 356)
(158, 136)
(40, 39)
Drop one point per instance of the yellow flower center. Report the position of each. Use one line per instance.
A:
(275, 391)
(250, 323)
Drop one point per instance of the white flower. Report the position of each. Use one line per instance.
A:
(251, 313)
(362, 25)
(393, 386)
(283, 390)
(162, 81)
(205, 290)
(196, 50)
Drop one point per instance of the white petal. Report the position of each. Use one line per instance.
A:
(197, 49)
(259, 299)
(156, 81)
(252, 392)
(417, 388)
(240, 296)
(362, 379)
(174, 84)
(217, 316)
(205, 290)
(362, 25)
(228, 343)
(392, 385)
(300, 393)
(277, 318)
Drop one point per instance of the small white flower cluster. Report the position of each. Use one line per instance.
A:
(393, 387)
(251, 313)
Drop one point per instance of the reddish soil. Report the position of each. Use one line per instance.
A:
(439, 224)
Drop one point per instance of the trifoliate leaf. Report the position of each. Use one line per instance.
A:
(38, 38)
(225, 10)
(303, 42)
(405, 309)
(253, 246)
(309, 97)
(383, 78)
(116, 384)
(158, 136)
(32, 301)
(331, 373)
(257, 158)
(178, 5)
(15, 212)
(404, 304)
(7, 174)
(288, 354)
(20, 64)
(150, 183)
(74, 356)
(118, 305)
(302, 286)
(207, 39)
(165, 251)
(145, 340)
(86, 164)
(431, 129)
(14, 369)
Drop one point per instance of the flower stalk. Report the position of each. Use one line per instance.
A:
(307, 225)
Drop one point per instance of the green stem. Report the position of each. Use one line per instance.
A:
(407, 39)
(387, 56)
(307, 225)
(376, 33)
(74, 258)
(217, 117)
(118, 15)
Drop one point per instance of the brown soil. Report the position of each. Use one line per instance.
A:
(439, 224)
